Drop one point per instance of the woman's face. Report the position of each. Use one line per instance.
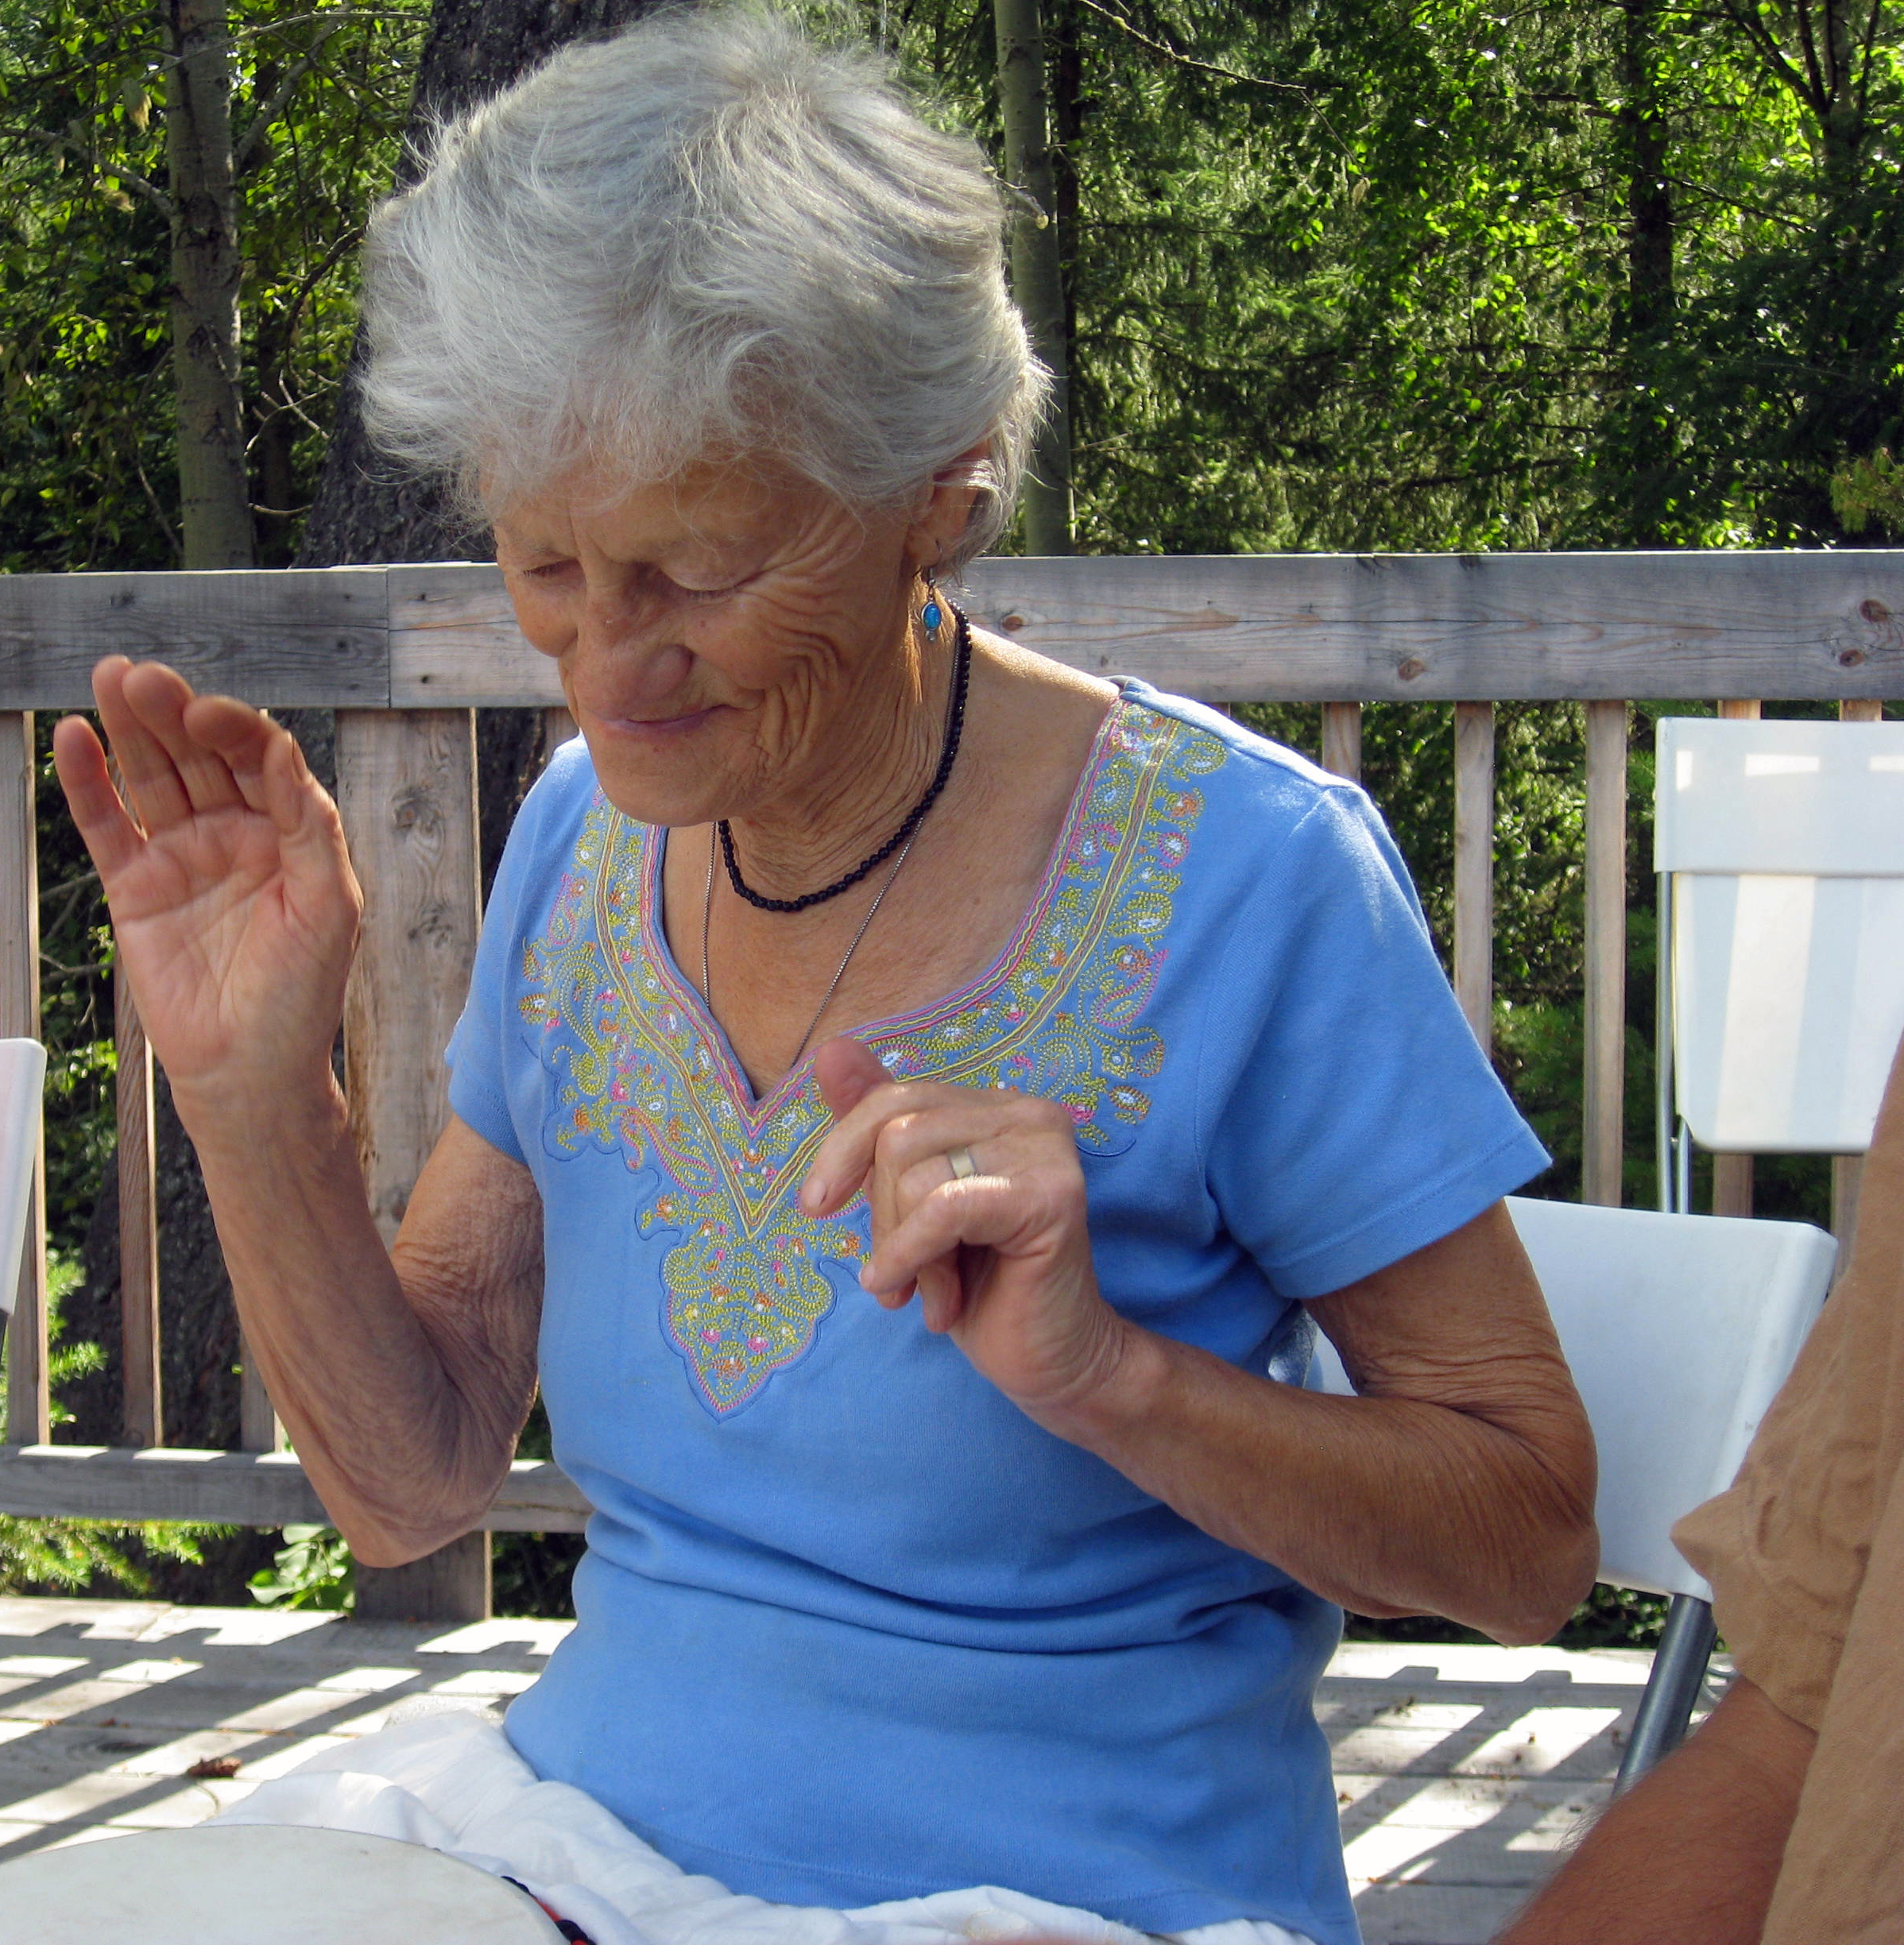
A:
(726, 645)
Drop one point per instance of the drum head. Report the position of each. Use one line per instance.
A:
(257, 1884)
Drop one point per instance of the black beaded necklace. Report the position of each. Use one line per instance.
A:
(955, 723)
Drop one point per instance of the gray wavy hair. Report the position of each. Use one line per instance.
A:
(708, 237)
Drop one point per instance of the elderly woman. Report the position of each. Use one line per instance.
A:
(853, 955)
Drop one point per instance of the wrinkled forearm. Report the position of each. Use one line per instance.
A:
(1690, 1855)
(404, 1448)
(1386, 1505)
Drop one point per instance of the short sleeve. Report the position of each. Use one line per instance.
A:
(1351, 1118)
(479, 1047)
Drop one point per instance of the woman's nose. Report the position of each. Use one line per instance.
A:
(627, 649)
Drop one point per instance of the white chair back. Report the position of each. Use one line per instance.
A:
(1680, 1329)
(1783, 843)
(22, 1085)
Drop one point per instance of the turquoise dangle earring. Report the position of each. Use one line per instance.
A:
(932, 615)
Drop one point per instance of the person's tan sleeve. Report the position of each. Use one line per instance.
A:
(1786, 1548)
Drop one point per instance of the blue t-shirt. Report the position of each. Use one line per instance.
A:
(850, 1627)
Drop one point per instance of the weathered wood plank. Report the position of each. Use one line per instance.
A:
(455, 644)
(1474, 867)
(259, 1430)
(1848, 1171)
(1847, 1179)
(558, 728)
(1732, 1173)
(1731, 1185)
(1603, 1135)
(407, 791)
(280, 637)
(1324, 627)
(1342, 740)
(241, 1489)
(29, 1406)
(453, 1584)
(142, 1411)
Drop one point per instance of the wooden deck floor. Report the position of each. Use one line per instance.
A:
(1460, 1771)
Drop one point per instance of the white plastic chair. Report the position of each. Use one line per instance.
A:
(22, 1083)
(1780, 848)
(1680, 1330)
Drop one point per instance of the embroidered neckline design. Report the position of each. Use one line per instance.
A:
(641, 1071)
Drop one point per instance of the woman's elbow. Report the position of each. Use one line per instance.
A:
(1555, 1578)
(394, 1536)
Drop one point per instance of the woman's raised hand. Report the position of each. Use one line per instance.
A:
(233, 901)
(1000, 1256)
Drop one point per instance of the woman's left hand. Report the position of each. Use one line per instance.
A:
(1000, 1256)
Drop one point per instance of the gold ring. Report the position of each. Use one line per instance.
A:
(964, 1168)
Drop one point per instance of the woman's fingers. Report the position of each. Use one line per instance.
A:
(160, 696)
(242, 740)
(157, 792)
(848, 1070)
(103, 822)
(983, 1212)
(892, 1126)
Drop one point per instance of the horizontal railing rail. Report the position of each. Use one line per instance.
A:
(405, 653)
(1316, 627)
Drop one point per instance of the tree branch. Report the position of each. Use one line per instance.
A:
(1186, 61)
(158, 198)
(244, 152)
(1774, 55)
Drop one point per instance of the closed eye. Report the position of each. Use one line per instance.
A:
(702, 594)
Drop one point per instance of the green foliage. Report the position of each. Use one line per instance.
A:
(83, 1556)
(312, 1569)
(86, 469)
(1360, 276)
(1870, 492)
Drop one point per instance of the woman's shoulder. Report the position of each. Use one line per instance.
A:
(1259, 790)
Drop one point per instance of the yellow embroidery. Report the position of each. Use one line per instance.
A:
(636, 1073)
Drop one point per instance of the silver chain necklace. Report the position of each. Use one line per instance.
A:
(955, 704)
(840, 971)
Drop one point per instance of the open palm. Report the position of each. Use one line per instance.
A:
(232, 897)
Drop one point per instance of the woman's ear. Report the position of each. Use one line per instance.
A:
(942, 511)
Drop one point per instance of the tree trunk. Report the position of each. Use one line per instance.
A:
(1647, 323)
(1037, 262)
(365, 512)
(215, 494)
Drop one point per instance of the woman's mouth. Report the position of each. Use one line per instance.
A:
(657, 730)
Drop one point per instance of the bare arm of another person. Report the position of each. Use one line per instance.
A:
(403, 1377)
(1690, 1855)
(1460, 1482)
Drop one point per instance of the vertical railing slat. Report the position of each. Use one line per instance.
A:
(1848, 1170)
(1474, 867)
(142, 1417)
(28, 1407)
(1342, 740)
(1732, 1173)
(407, 791)
(1602, 1147)
(558, 727)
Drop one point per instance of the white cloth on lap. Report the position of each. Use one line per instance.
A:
(450, 1780)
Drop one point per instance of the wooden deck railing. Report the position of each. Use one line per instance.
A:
(404, 654)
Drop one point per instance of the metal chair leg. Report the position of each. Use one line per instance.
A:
(1673, 1688)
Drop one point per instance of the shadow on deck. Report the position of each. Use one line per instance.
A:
(1460, 1771)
